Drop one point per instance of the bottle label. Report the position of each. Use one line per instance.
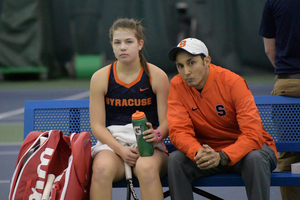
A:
(137, 130)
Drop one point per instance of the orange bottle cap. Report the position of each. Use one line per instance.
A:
(138, 115)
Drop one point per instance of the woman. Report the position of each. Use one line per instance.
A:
(116, 92)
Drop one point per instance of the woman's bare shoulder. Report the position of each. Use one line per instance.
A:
(156, 72)
(101, 73)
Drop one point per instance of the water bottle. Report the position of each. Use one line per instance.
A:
(139, 126)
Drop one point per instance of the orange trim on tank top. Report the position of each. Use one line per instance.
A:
(127, 85)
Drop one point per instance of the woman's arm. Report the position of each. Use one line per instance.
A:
(98, 89)
(160, 86)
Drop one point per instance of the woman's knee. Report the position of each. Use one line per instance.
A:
(144, 167)
(104, 169)
(146, 170)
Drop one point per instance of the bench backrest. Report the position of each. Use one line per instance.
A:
(280, 116)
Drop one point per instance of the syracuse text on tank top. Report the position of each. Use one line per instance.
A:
(122, 100)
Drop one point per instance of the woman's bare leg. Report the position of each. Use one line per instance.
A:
(149, 170)
(107, 168)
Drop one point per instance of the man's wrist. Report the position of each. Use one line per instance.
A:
(219, 156)
(223, 158)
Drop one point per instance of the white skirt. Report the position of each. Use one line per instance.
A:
(125, 136)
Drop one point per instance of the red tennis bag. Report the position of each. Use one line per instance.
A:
(52, 166)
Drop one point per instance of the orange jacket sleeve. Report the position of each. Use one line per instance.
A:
(181, 129)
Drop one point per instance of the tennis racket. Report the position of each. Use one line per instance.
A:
(34, 148)
(48, 187)
(130, 189)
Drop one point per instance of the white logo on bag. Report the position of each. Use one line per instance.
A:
(41, 174)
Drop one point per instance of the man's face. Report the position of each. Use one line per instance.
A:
(192, 69)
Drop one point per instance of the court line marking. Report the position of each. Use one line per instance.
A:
(5, 181)
(2, 153)
(21, 110)
(11, 144)
(12, 113)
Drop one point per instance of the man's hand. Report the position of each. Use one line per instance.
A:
(207, 157)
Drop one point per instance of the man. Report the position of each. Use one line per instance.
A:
(280, 28)
(215, 125)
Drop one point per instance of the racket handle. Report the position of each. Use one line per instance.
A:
(128, 172)
(48, 187)
(42, 140)
(31, 151)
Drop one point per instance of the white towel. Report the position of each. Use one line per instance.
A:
(124, 135)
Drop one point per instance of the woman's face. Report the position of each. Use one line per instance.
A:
(125, 45)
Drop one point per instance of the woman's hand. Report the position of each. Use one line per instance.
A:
(129, 155)
(149, 135)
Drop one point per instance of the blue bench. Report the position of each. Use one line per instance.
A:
(280, 117)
